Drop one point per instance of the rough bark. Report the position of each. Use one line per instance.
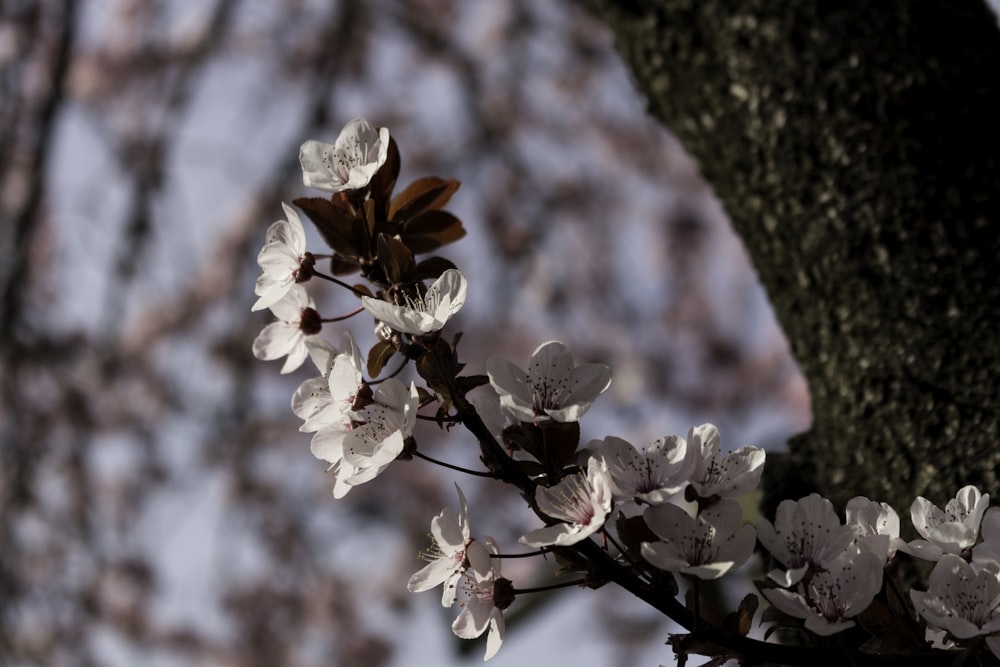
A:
(855, 145)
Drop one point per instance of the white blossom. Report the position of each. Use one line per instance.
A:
(651, 476)
(425, 314)
(450, 535)
(288, 335)
(962, 598)
(805, 532)
(706, 546)
(280, 259)
(387, 422)
(348, 164)
(876, 526)
(948, 531)
(475, 593)
(582, 502)
(328, 400)
(729, 476)
(552, 388)
(835, 595)
(989, 549)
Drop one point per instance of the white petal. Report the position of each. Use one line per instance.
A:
(276, 340)
(495, 638)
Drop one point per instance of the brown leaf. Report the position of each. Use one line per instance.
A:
(396, 259)
(430, 230)
(334, 220)
(384, 180)
(424, 194)
(378, 356)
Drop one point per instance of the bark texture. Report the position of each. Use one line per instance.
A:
(856, 147)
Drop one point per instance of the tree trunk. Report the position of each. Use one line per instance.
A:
(856, 147)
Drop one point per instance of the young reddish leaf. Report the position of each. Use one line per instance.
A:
(362, 290)
(396, 259)
(378, 356)
(334, 219)
(430, 230)
(741, 620)
(424, 194)
(432, 268)
(341, 265)
(384, 180)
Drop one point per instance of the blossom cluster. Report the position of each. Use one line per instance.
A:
(670, 510)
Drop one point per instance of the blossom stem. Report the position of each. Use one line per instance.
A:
(394, 374)
(341, 283)
(467, 471)
(341, 318)
(539, 552)
(552, 587)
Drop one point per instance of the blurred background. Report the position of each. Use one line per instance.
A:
(158, 505)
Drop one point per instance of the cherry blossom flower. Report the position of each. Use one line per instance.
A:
(348, 164)
(328, 400)
(706, 546)
(283, 260)
(963, 599)
(476, 592)
(443, 298)
(714, 475)
(805, 532)
(583, 502)
(387, 422)
(297, 321)
(450, 535)
(835, 595)
(948, 531)
(552, 388)
(990, 547)
(652, 476)
(876, 527)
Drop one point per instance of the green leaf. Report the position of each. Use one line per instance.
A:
(378, 356)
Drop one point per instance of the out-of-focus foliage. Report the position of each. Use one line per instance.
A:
(156, 500)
